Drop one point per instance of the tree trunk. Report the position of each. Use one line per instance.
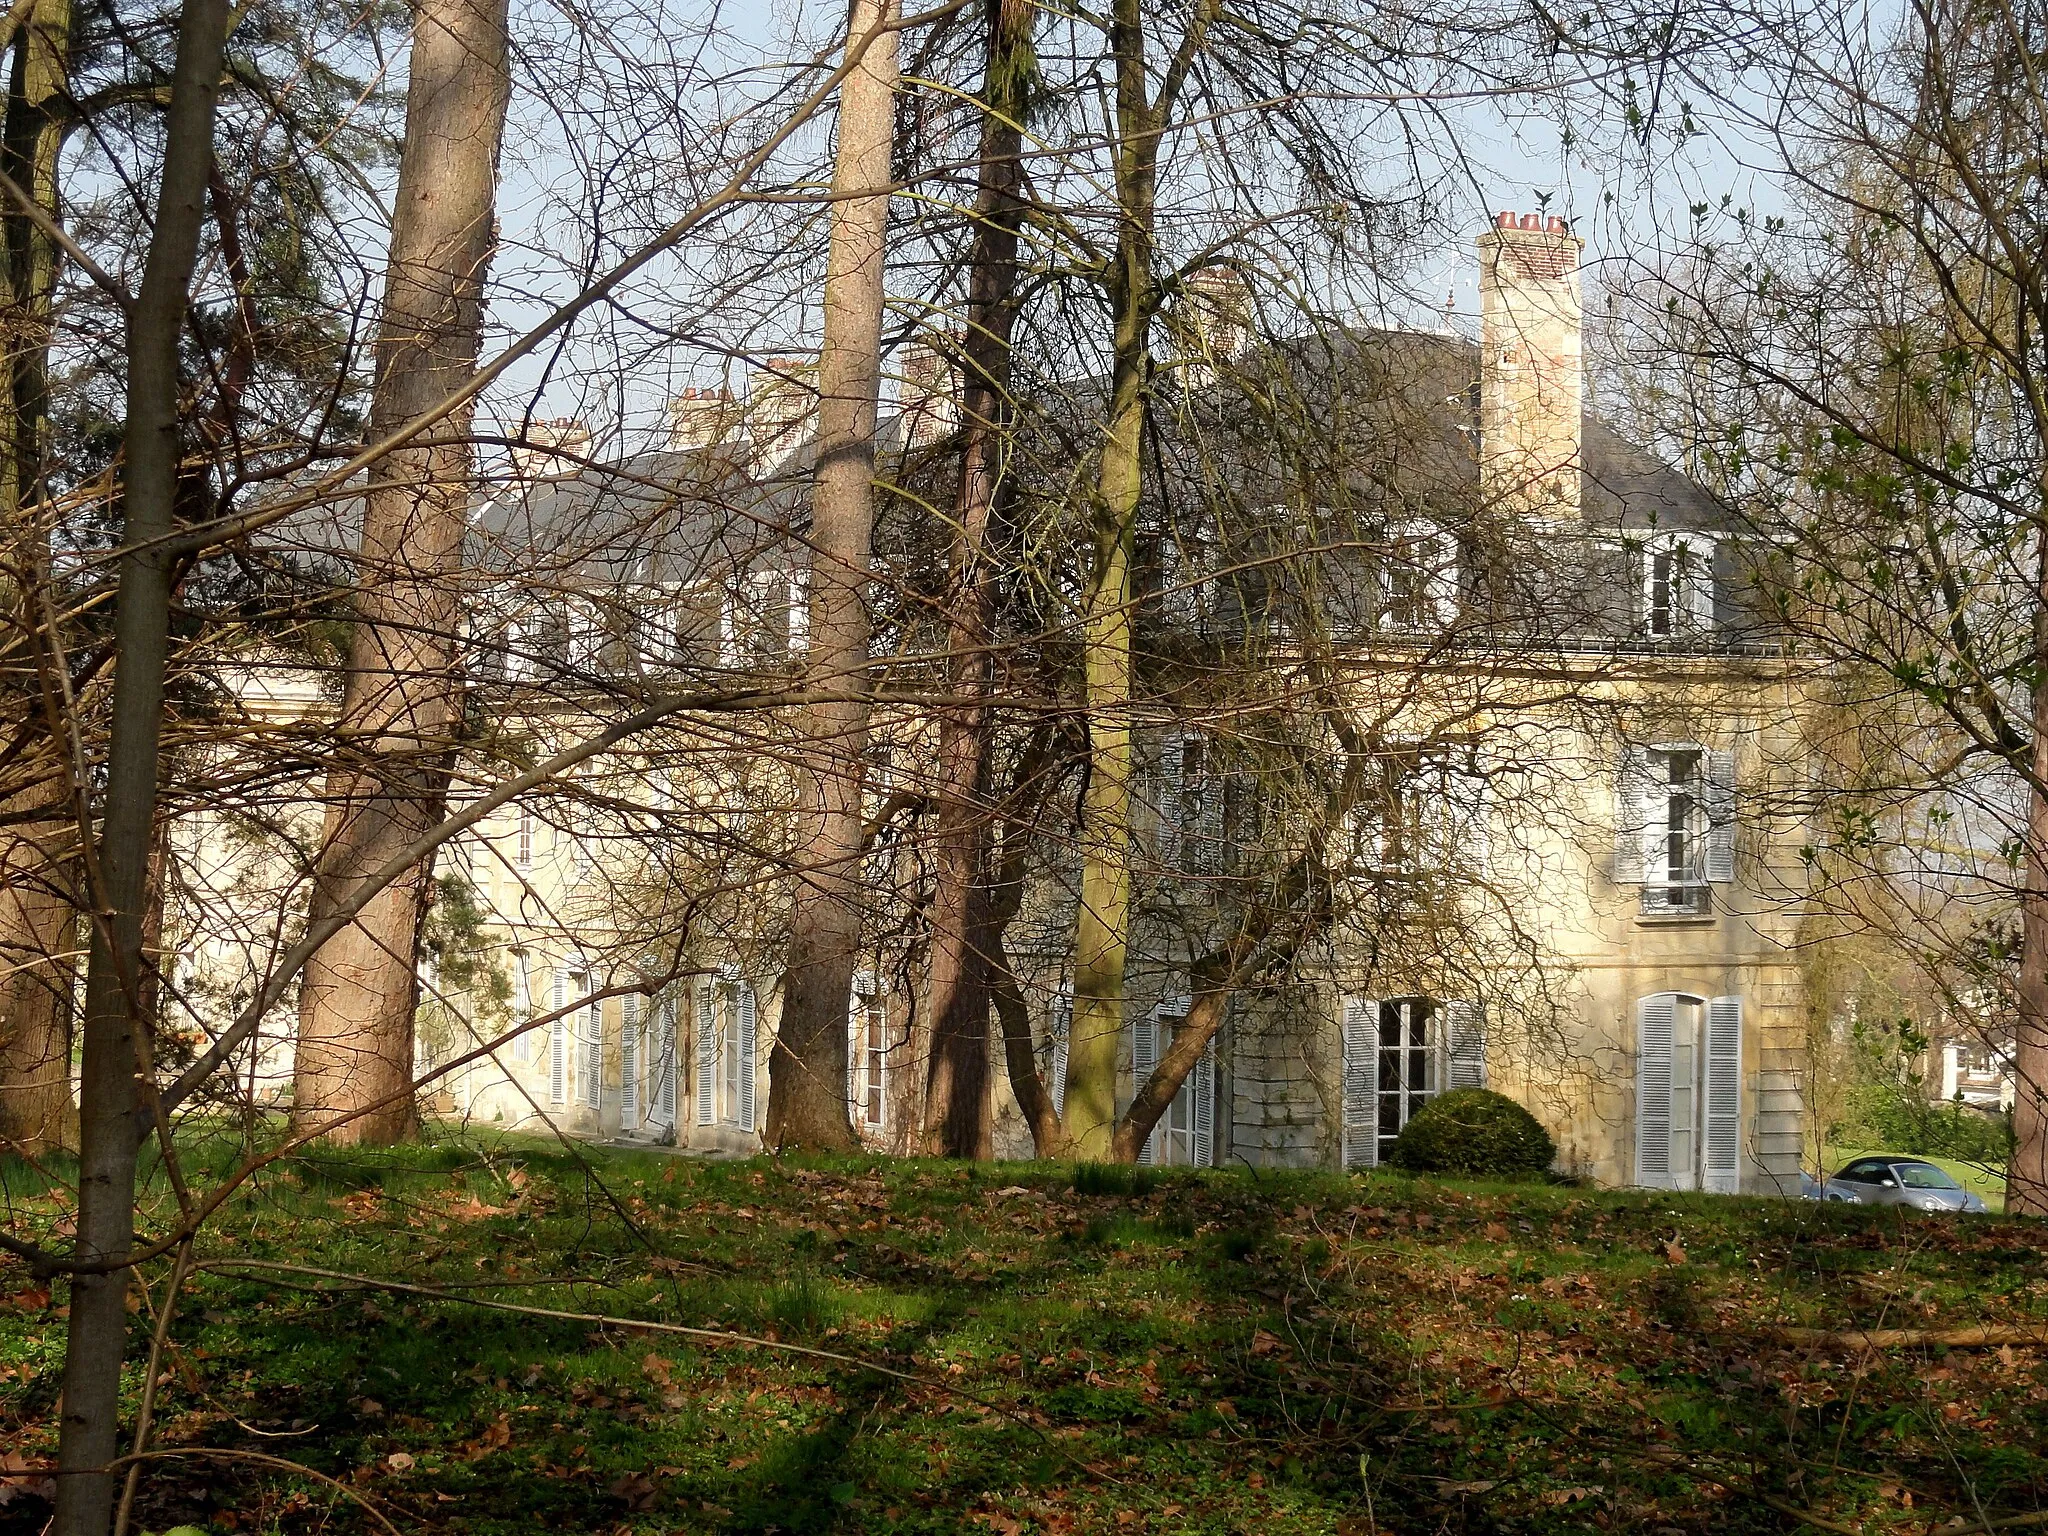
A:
(1102, 930)
(959, 1118)
(2026, 1187)
(37, 909)
(115, 1083)
(807, 1070)
(38, 965)
(401, 704)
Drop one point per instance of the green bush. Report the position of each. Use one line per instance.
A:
(1882, 1117)
(1473, 1130)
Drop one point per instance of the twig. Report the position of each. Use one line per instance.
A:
(1994, 1337)
(258, 1456)
(143, 1414)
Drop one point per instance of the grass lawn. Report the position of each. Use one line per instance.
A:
(1214, 1352)
(1989, 1183)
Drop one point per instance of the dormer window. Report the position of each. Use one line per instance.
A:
(1678, 585)
(1419, 578)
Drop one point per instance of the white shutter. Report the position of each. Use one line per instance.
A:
(1699, 582)
(1632, 788)
(799, 615)
(522, 1008)
(1442, 577)
(1466, 807)
(668, 1067)
(1170, 758)
(1724, 1096)
(864, 987)
(593, 1051)
(629, 1061)
(1061, 1027)
(1144, 1059)
(1464, 1045)
(1720, 798)
(558, 1042)
(707, 1053)
(746, 1049)
(1361, 1041)
(1655, 1020)
(1202, 851)
(1202, 1085)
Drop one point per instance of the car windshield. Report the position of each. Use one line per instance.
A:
(1925, 1176)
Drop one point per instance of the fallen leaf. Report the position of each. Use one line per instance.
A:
(398, 1461)
(1674, 1251)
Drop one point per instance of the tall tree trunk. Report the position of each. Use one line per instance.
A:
(807, 1070)
(115, 1085)
(38, 916)
(1102, 929)
(401, 704)
(959, 1120)
(2026, 1189)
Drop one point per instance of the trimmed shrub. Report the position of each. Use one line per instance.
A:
(1475, 1131)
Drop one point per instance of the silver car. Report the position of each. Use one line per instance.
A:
(1899, 1181)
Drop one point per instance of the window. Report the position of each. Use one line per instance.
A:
(586, 637)
(518, 650)
(1185, 1133)
(766, 618)
(1191, 806)
(1424, 814)
(1675, 827)
(1678, 585)
(1689, 1092)
(1925, 1176)
(725, 1053)
(867, 1053)
(1419, 578)
(525, 840)
(1398, 1054)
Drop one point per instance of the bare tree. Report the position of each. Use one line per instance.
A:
(116, 1093)
(958, 1117)
(401, 708)
(807, 1073)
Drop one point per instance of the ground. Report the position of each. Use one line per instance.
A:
(1087, 1351)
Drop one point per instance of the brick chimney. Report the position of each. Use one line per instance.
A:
(1531, 366)
(538, 455)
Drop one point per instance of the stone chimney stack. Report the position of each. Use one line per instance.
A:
(1216, 316)
(702, 418)
(538, 457)
(1531, 367)
(929, 394)
(782, 405)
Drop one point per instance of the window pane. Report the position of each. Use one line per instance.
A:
(1925, 1176)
